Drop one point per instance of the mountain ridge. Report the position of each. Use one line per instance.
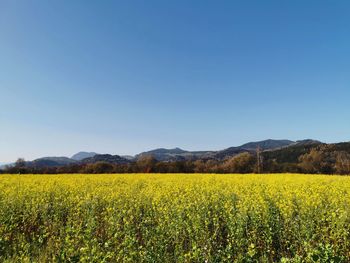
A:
(168, 155)
(82, 155)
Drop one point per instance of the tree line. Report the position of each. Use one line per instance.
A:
(322, 159)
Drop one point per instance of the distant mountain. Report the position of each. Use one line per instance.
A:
(4, 165)
(128, 157)
(266, 144)
(175, 154)
(162, 151)
(115, 159)
(307, 142)
(83, 155)
(251, 147)
(281, 151)
(64, 161)
(50, 162)
(163, 154)
(229, 152)
(292, 153)
(277, 156)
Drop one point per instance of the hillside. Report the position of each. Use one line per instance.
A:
(309, 156)
(83, 155)
(50, 162)
(108, 158)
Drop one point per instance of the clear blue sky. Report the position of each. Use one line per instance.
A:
(121, 77)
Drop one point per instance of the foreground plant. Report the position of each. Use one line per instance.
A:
(174, 218)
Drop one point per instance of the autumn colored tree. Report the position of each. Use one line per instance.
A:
(241, 163)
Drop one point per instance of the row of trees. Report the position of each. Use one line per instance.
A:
(242, 163)
(317, 160)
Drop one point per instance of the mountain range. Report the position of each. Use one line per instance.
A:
(170, 155)
(83, 155)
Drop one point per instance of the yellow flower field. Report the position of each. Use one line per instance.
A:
(174, 218)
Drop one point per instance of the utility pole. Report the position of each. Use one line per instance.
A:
(258, 160)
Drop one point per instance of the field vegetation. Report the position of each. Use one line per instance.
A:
(174, 218)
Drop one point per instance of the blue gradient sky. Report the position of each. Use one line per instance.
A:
(126, 76)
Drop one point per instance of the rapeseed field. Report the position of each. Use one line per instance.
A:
(174, 218)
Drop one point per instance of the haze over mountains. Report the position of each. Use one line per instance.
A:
(168, 155)
(82, 155)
